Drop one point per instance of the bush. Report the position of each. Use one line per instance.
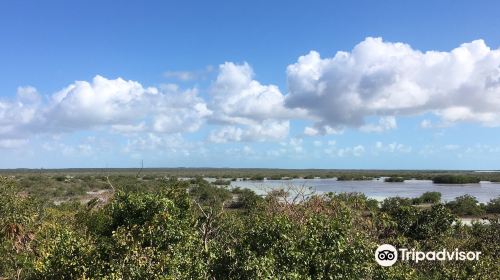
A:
(257, 178)
(465, 205)
(493, 206)
(428, 197)
(431, 223)
(222, 182)
(394, 179)
(245, 198)
(60, 178)
(392, 204)
(207, 194)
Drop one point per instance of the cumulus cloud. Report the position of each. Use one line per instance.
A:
(83, 105)
(126, 105)
(238, 98)
(116, 104)
(180, 112)
(248, 109)
(367, 88)
(386, 79)
(18, 113)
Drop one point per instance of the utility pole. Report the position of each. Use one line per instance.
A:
(142, 166)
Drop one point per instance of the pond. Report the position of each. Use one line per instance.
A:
(378, 189)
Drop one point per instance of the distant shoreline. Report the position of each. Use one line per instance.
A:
(77, 169)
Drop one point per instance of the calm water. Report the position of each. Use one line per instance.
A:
(379, 189)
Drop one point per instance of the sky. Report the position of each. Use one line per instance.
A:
(264, 84)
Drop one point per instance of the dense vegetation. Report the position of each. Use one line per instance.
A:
(394, 179)
(230, 173)
(194, 230)
(456, 179)
(354, 177)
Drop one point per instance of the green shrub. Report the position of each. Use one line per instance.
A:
(428, 197)
(257, 178)
(245, 198)
(392, 204)
(465, 205)
(394, 179)
(493, 206)
(207, 194)
(222, 182)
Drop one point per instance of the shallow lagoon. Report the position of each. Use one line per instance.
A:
(379, 189)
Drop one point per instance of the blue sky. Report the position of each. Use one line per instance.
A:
(288, 84)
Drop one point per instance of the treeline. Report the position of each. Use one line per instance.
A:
(244, 173)
(456, 179)
(194, 230)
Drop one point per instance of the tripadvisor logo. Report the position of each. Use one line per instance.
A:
(387, 255)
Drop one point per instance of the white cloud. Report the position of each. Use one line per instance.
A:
(226, 134)
(237, 98)
(123, 104)
(118, 105)
(356, 151)
(426, 124)
(250, 111)
(17, 114)
(28, 94)
(335, 151)
(311, 131)
(162, 144)
(393, 147)
(366, 88)
(129, 128)
(84, 105)
(185, 112)
(384, 123)
(268, 130)
(385, 79)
